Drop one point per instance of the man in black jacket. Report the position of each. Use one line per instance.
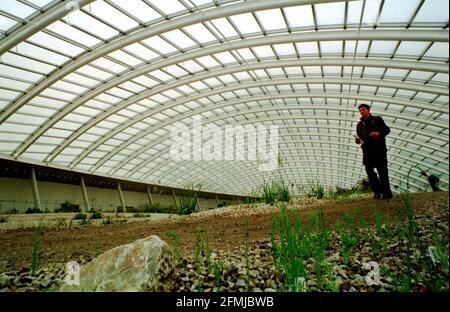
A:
(371, 132)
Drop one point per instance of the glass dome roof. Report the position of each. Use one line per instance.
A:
(97, 86)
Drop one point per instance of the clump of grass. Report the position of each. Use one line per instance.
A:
(96, 215)
(247, 253)
(276, 191)
(201, 250)
(288, 252)
(187, 202)
(107, 221)
(176, 240)
(80, 216)
(268, 194)
(35, 256)
(218, 268)
(441, 252)
(3, 219)
(140, 215)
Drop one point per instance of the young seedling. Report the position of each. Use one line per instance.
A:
(176, 240)
(247, 253)
(97, 242)
(218, 268)
(35, 256)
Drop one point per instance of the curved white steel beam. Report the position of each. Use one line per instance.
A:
(416, 35)
(52, 15)
(170, 61)
(72, 65)
(204, 109)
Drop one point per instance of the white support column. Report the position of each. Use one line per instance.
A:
(149, 194)
(198, 204)
(174, 198)
(217, 199)
(122, 200)
(34, 190)
(85, 195)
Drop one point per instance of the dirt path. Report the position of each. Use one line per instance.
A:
(225, 227)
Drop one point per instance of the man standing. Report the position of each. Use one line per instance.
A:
(371, 132)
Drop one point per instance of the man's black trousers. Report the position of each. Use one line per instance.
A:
(379, 183)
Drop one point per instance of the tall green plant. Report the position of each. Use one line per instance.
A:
(187, 202)
(35, 255)
(247, 253)
(176, 240)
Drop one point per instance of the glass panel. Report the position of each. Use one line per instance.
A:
(16, 8)
(271, 19)
(246, 54)
(139, 9)
(13, 84)
(55, 44)
(90, 24)
(40, 54)
(79, 79)
(263, 52)
(330, 13)
(26, 63)
(74, 34)
(161, 75)
(69, 87)
(125, 58)
(94, 72)
(158, 44)
(179, 38)
(191, 66)
(415, 48)
(383, 47)
(285, 49)
(433, 11)
(41, 3)
(141, 51)
(6, 23)
(398, 11)
(224, 27)
(354, 12)
(105, 11)
(307, 48)
(200, 33)
(168, 6)
(327, 47)
(246, 23)
(300, 16)
(20, 74)
(208, 61)
(225, 57)
(8, 95)
(438, 50)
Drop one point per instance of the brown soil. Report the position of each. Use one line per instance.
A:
(225, 227)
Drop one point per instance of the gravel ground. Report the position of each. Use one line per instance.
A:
(228, 262)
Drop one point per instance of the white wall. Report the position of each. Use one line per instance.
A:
(16, 193)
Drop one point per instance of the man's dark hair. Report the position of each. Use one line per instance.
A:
(364, 105)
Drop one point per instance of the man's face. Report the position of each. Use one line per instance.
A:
(364, 112)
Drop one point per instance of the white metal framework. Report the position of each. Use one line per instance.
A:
(96, 86)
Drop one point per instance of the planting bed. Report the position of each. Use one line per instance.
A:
(317, 246)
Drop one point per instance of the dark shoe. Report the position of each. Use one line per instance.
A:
(387, 196)
(376, 196)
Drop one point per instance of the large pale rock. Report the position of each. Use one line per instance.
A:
(147, 264)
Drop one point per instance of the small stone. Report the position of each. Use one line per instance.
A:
(240, 283)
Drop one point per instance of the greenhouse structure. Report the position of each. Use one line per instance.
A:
(117, 116)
